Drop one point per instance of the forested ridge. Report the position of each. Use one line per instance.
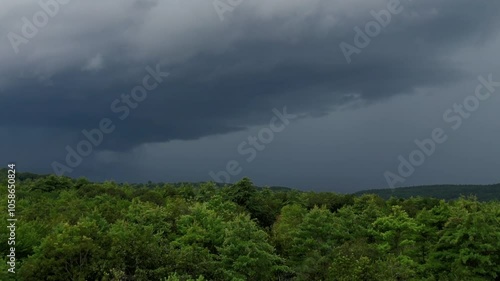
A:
(447, 192)
(74, 229)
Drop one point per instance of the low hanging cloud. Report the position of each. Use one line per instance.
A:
(225, 76)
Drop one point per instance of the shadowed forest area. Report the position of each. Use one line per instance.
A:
(73, 229)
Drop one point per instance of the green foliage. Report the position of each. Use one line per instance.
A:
(242, 192)
(79, 230)
(195, 249)
(396, 232)
(135, 250)
(246, 253)
(70, 252)
(285, 228)
(469, 242)
(175, 277)
(51, 183)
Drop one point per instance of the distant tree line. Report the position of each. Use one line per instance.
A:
(447, 192)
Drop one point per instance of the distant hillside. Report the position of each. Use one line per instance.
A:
(447, 192)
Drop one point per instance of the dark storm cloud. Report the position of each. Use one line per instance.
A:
(227, 76)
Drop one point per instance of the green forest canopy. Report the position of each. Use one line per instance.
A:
(74, 229)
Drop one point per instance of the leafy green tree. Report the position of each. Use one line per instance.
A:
(397, 235)
(71, 252)
(313, 245)
(397, 232)
(264, 207)
(242, 192)
(146, 213)
(52, 183)
(246, 253)
(360, 260)
(136, 251)
(469, 243)
(195, 250)
(432, 222)
(286, 227)
(224, 208)
(206, 192)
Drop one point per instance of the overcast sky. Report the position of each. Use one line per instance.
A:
(65, 66)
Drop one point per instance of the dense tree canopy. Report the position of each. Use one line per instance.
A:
(78, 230)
